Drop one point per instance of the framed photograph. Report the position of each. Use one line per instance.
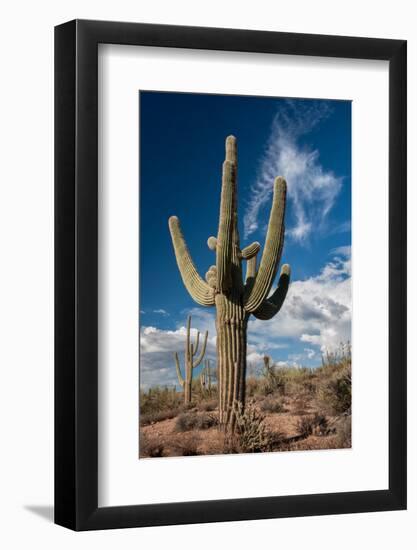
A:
(230, 247)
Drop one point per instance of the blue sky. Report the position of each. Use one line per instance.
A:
(181, 152)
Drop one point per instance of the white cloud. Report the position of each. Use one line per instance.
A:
(316, 311)
(342, 251)
(162, 312)
(311, 189)
(311, 353)
(157, 348)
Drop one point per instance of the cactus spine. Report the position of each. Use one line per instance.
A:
(192, 359)
(224, 287)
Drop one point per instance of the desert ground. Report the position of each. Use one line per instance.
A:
(287, 409)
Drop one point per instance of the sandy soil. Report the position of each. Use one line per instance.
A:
(162, 438)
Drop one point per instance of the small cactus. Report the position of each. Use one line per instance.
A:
(192, 360)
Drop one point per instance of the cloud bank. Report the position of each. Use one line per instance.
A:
(316, 311)
(316, 315)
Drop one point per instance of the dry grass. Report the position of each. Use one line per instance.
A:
(287, 409)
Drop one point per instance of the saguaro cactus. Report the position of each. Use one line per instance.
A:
(236, 298)
(206, 377)
(191, 361)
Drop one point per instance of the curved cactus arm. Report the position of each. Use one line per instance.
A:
(202, 352)
(199, 290)
(226, 217)
(272, 305)
(272, 251)
(251, 250)
(177, 366)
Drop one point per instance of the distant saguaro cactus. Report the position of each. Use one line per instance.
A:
(206, 377)
(236, 298)
(191, 350)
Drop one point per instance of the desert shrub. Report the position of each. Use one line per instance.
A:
(186, 422)
(208, 405)
(273, 379)
(301, 404)
(305, 426)
(344, 432)
(335, 392)
(252, 387)
(297, 381)
(151, 417)
(272, 404)
(150, 448)
(157, 399)
(316, 424)
(186, 446)
(194, 421)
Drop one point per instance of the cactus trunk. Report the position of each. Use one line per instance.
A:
(231, 326)
(187, 392)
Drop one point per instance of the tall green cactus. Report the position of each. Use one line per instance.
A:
(236, 298)
(191, 361)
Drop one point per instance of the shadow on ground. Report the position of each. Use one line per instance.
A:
(45, 512)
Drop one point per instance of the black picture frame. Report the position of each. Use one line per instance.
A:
(76, 272)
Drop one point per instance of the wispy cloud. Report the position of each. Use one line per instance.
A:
(311, 189)
(162, 312)
(344, 251)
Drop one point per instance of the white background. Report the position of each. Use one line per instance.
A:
(123, 479)
(26, 303)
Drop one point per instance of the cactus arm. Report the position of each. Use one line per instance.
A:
(197, 343)
(211, 276)
(202, 352)
(177, 366)
(226, 217)
(212, 243)
(272, 251)
(251, 251)
(199, 290)
(250, 271)
(188, 344)
(273, 304)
